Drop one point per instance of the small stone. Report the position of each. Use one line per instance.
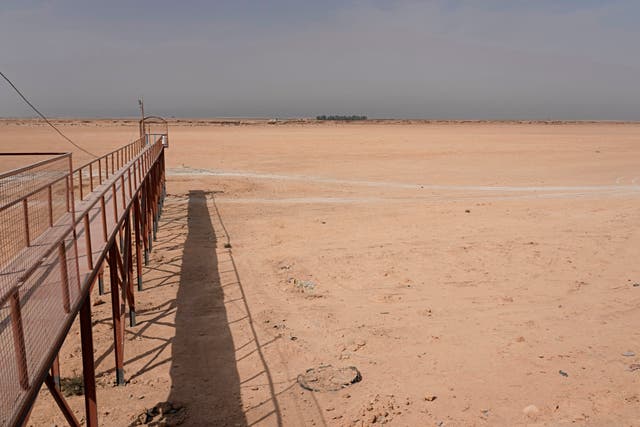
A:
(97, 302)
(430, 398)
(636, 285)
(628, 354)
(531, 411)
(142, 419)
(563, 373)
(164, 407)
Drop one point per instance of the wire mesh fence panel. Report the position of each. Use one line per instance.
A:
(26, 211)
(19, 183)
(12, 234)
(38, 274)
(46, 301)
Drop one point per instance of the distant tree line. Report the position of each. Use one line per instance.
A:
(344, 118)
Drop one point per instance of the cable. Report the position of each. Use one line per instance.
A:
(43, 117)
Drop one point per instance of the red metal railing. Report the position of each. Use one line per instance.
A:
(92, 174)
(117, 191)
(37, 243)
(54, 247)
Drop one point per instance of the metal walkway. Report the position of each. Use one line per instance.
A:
(59, 229)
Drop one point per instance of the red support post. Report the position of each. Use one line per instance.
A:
(91, 176)
(62, 403)
(130, 184)
(18, 340)
(124, 193)
(104, 218)
(55, 372)
(128, 270)
(136, 229)
(50, 201)
(101, 281)
(115, 202)
(80, 183)
(25, 212)
(87, 236)
(69, 178)
(88, 368)
(64, 279)
(117, 312)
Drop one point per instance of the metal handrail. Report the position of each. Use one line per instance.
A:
(118, 157)
(56, 157)
(108, 184)
(16, 171)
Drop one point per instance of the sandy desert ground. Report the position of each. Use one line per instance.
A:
(475, 273)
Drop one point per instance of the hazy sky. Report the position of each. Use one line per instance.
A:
(559, 59)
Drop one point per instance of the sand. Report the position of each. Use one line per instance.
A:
(474, 273)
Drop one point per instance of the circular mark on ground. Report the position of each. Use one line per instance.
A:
(329, 378)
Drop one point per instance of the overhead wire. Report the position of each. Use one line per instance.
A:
(33, 107)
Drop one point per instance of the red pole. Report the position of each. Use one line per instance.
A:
(118, 333)
(25, 209)
(136, 228)
(64, 283)
(88, 368)
(18, 340)
(55, 372)
(87, 235)
(50, 200)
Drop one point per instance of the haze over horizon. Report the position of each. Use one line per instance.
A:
(456, 59)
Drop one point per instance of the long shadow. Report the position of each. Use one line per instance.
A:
(203, 370)
(275, 411)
